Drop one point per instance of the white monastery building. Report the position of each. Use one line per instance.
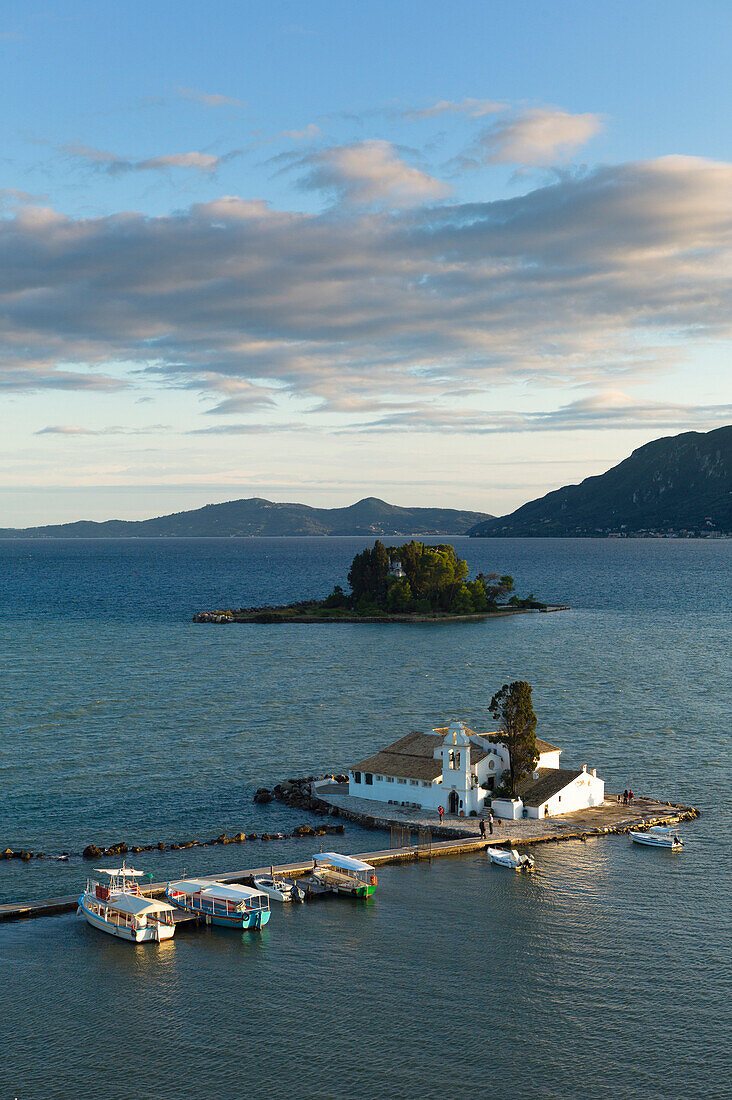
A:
(458, 769)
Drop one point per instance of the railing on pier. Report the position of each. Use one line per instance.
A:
(401, 837)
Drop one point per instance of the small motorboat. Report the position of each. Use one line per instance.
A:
(344, 874)
(119, 907)
(278, 888)
(658, 836)
(219, 903)
(512, 859)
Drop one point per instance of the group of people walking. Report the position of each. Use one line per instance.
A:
(628, 797)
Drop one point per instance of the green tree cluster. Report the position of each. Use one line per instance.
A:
(435, 580)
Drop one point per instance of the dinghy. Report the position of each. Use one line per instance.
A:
(512, 859)
(278, 888)
(658, 837)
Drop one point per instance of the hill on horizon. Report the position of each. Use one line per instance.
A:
(679, 483)
(256, 516)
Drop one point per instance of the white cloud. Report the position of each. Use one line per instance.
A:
(473, 108)
(113, 429)
(595, 279)
(307, 133)
(538, 137)
(11, 196)
(251, 429)
(114, 164)
(370, 173)
(610, 409)
(207, 99)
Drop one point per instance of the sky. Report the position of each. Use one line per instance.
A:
(444, 254)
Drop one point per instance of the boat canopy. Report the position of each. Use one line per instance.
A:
(217, 891)
(119, 871)
(661, 830)
(348, 863)
(191, 885)
(221, 892)
(132, 903)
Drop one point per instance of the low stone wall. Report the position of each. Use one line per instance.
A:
(611, 818)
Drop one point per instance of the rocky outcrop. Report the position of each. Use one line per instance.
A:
(263, 796)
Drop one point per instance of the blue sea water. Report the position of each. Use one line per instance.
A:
(121, 719)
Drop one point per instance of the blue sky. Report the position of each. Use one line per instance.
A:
(437, 253)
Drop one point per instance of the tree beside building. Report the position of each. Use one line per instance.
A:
(513, 710)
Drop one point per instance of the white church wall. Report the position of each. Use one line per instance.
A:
(549, 759)
(583, 792)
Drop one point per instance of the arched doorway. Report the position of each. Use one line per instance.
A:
(453, 803)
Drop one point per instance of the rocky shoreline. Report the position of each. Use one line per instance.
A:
(298, 794)
(307, 613)
(294, 793)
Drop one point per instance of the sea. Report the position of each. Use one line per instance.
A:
(606, 974)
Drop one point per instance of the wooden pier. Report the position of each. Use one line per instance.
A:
(585, 826)
(49, 907)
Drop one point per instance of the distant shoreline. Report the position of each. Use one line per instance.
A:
(712, 537)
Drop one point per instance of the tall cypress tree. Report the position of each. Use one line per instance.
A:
(512, 708)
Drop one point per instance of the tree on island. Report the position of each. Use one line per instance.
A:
(431, 579)
(368, 575)
(512, 708)
(434, 573)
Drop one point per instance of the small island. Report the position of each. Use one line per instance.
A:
(408, 583)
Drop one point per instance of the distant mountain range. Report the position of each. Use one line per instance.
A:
(369, 517)
(680, 484)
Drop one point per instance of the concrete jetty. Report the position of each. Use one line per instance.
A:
(616, 819)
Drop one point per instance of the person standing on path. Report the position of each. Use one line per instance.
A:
(440, 810)
(490, 822)
(482, 828)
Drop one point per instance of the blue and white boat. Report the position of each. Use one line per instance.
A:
(229, 906)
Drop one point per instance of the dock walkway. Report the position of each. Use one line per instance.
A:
(613, 817)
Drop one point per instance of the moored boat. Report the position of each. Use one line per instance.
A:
(658, 836)
(230, 906)
(118, 906)
(344, 874)
(278, 888)
(510, 858)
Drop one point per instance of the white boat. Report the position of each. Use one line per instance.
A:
(658, 836)
(118, 906)
(511, 859)
(278, 888)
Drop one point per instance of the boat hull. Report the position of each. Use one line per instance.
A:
(656, 842)
(503, 859)
(337, 885)
(150, 934)
(284, 895)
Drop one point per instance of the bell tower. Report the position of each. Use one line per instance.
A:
(456, 781)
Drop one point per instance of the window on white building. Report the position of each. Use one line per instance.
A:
(389, 778)
(357, 777)
(414, 782)
(401, 781)
(368, 778)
